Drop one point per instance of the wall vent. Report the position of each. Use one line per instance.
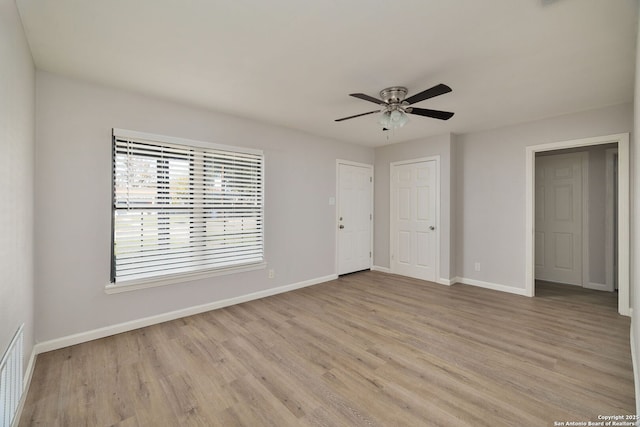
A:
(11, 379)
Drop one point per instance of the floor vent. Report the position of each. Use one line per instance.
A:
(11, 379)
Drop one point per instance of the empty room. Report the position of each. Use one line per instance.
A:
(318, 213)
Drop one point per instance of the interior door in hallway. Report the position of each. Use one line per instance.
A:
(414, 204)
(355, 217)
(559, 218)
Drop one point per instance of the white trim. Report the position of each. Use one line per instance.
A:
(492, 286)
(337, 209)
(172, 315)
(124, 133)
(529, 200)
(418, 160)
(381, 269)
(350, 163)
(623, 225)
(153, 282)
(622, 139)
(26, 383)
(436, 159)
(586, 191)
(446, 282)
(609, 220)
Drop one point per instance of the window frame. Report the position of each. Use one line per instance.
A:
(180, 277)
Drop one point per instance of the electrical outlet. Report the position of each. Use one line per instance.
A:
(271, 273)
(477, 266)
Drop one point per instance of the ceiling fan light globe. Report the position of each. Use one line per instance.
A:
(402, 120)
(385, 119)
(393, 119)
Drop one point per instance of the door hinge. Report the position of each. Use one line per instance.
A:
(369, 254)
(370, 179)
(370, 217)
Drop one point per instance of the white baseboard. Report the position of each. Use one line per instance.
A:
(172, 315)
(466, 281)
(447, 282)
(489, 285)
(26, 382)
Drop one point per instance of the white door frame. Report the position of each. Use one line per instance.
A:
(586, 274)
(622, 139)
(337, 209)
(437, 230)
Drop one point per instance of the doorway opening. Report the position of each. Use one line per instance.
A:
(619, 230)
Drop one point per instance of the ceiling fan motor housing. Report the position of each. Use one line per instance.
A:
(393, 95)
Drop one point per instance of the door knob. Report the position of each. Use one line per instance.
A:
(341, 227)
(432, 228)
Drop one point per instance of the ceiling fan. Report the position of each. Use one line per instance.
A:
(394, 107)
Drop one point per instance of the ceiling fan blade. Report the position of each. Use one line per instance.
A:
(435, 114)
(366, 97)
(437, 90)
(357, 115)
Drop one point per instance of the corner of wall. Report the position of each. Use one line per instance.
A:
(17, 162)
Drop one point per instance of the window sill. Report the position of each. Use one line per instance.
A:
(154, 282)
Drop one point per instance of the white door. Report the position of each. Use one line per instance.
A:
(414, 203)
(558, 218)
(355, 184)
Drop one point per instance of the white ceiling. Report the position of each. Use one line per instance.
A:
(294, 62)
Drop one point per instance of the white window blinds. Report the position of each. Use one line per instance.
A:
(183, 208)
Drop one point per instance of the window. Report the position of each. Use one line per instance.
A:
(181, 207)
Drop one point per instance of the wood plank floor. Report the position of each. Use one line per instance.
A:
(368, 349)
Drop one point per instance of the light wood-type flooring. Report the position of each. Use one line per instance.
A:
(368, 349)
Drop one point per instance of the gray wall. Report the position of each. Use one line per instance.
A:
(596, 215)
(72, 221)
(490, 196)
(17, 100)
(435, 146)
